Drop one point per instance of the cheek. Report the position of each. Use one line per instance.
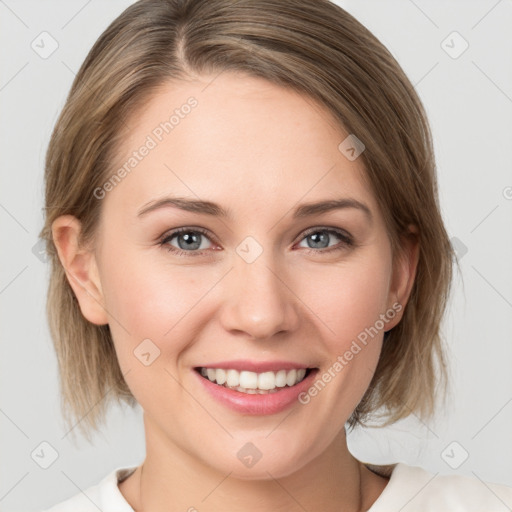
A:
(351, 298)
(153, 313)
(148, 302)
(350, 306)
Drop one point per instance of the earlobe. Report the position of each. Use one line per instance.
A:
(404, 272)
(80, 266)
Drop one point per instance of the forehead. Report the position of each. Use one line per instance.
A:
(235, 138)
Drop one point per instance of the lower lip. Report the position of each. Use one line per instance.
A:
(256, 404)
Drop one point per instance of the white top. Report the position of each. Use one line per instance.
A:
(410, 488)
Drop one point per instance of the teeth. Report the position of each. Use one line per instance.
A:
(220, 376)
(251, 382)
(232, 380)
(281, 379)
(248, 380)
(291, 377)
(267, 380)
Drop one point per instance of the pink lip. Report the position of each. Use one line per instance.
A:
(256, 404)
(254, 366)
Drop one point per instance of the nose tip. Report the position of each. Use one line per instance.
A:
(259, 301)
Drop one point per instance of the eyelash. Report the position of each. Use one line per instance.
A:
(347, 241)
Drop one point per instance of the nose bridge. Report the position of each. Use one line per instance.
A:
(259, 301)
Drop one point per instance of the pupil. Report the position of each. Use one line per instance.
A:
(318, 238)
(190, 240)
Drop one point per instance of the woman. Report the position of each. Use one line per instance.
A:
(245, 236)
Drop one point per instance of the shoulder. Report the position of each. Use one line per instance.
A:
(411, 488)
(104, 496)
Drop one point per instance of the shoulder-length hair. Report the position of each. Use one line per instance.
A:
(313, 47)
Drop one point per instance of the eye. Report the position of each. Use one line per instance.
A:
(320, 238)
(188, 239)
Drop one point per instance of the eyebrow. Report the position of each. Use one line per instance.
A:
(215, 210)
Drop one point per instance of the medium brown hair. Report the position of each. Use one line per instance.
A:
(313, 47)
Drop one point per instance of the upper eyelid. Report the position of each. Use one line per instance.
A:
(308, 231)
(177, 231)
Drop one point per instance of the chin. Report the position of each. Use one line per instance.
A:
(262, 459)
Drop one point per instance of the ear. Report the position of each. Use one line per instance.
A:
(404, 273)
(80, 266)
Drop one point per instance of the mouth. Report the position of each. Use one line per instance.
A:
(250, 382)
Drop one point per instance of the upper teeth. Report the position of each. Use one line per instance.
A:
(251, 380)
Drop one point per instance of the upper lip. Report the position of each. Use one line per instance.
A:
(255, 366)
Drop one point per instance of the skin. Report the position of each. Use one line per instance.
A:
(258, 150)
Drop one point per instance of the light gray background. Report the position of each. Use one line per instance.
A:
(469, 101)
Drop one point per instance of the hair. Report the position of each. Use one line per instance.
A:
(310, 46)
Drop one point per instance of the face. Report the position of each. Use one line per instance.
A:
(259, 288)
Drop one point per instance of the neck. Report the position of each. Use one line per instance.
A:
(173, 479)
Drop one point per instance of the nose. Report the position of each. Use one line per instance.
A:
(259, 301)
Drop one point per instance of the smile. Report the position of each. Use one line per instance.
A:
(252, 387)
(254, 383)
